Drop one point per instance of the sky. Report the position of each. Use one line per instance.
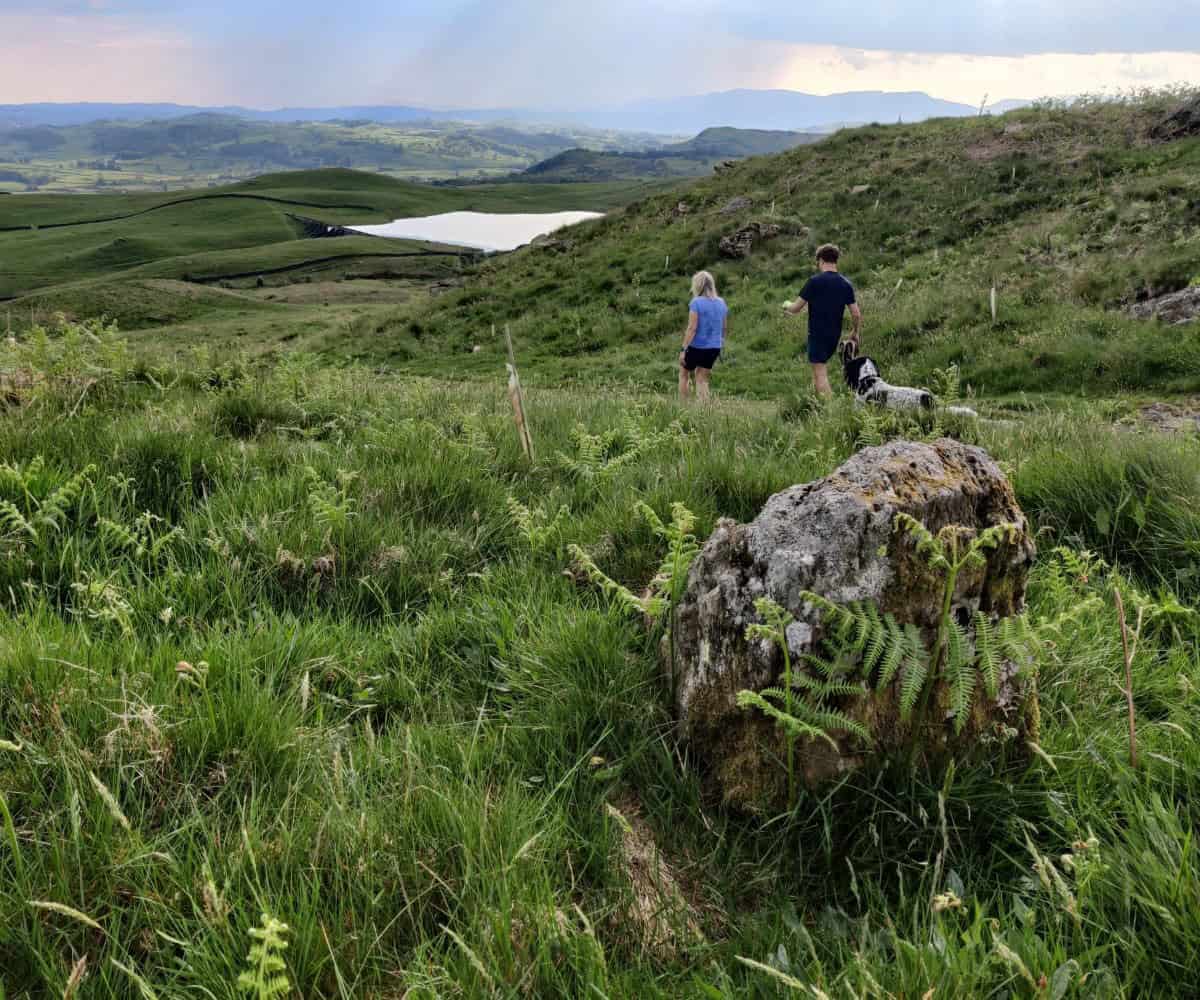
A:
(570, 54)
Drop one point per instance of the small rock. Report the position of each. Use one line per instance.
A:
(735, 205)
(1174, 309)
(737, 246)
(1181, 123)
(860, 189)
(1173, 418)
(683, 208)
(476, 349)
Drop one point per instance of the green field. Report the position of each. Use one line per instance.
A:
(293, 629)
(85, 255)
(215, 149)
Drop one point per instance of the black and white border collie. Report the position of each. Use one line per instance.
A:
(868, 386)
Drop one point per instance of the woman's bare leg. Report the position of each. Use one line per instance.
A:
(702, 376)
(684, 384)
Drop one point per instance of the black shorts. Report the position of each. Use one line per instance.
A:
(700, 357)
(823, 347)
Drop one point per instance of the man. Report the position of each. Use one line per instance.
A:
(826, 297)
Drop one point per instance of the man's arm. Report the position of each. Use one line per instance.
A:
(795, 308)
(856, 315)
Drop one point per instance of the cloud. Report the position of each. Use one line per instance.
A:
(63, 56)
(569, 54)
(967, 78)
(977, 27)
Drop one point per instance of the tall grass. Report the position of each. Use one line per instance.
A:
(351, 693)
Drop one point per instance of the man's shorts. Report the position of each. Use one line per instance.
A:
(821, 349)
(700, 357)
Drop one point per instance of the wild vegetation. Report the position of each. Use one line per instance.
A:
(1068, 213)
(307, 686)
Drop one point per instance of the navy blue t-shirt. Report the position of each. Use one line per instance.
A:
(827, 294)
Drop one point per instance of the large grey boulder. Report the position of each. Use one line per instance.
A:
(837, 538)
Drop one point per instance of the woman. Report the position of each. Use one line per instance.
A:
(708, 323)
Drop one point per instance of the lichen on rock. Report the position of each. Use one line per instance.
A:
(837, 538)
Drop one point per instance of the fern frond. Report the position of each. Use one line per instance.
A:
(960, 673)
(120, 537)
(916, 670)
(52, 511)
(14, 522)
(826, 689)
(651, 518)
(1017, 640)
(794, 727)
(987, 653)
(881, 636)
(895, 651)
(823, 666)
(653, 607)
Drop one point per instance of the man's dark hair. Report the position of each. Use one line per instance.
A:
(829, 254)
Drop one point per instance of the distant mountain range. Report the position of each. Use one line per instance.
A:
(785, 110)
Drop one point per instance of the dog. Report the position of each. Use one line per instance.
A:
(868, 386)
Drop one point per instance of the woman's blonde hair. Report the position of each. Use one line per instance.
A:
(704, 285)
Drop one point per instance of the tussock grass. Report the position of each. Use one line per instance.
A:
(331, 679)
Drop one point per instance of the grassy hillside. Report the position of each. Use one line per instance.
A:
(47, 240)
(292, 639)
(1068, 213)
(694, 158)
(276, 641)
(736, 143)
(197, 149)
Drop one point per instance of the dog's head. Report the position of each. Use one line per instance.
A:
(860, 372)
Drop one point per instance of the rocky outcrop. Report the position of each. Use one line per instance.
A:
(1174, 309)
(837, 538)
(737, 246)
(1180, 124)
(1172, 418)
(735, 205)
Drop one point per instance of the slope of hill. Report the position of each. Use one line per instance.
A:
(46, 240)
(693, 158)
(1069, 214)
(737, 143)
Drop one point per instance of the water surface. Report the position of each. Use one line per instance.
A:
(478, 230)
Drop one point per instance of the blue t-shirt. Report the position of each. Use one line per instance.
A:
(827, 294)
(710, 332)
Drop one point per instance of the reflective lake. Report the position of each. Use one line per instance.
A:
(478, 230)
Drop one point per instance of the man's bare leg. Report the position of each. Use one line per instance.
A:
(684, 384)
(702, 375)
(821, 381)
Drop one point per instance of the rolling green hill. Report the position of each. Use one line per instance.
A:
(736, 143)
(46, 240)
(694, 158)
(1069, 213)
(214, 148)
